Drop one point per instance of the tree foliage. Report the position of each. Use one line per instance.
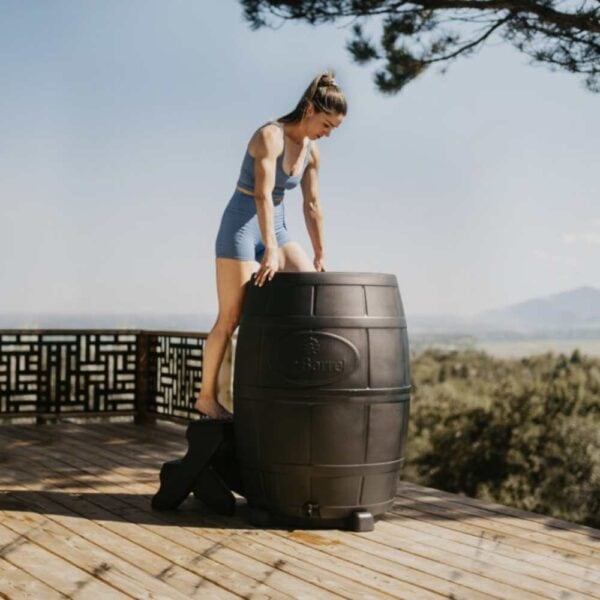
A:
(563, 34)
(524, 432)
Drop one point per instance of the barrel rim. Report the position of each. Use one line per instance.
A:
(332, 278)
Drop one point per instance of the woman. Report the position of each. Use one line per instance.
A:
(280, 155)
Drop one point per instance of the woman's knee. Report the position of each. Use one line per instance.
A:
(227, 323)
(294, 259)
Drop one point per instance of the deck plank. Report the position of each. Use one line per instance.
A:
(444, 531)
(566, 540)
(20, 585)
(509, 583)
(149, 552)
(87, 488)
(580, 534)
(466, 520)
(488, 551)
(96, 562)
(23, 551)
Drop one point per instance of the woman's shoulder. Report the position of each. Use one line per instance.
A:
(266, 140)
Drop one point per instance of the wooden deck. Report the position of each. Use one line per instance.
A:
(76, 522)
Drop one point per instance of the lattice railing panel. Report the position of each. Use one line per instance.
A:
(85, 372)
(178, 361)
(67, 372)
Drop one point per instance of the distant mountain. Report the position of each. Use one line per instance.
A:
(575, 313)
(578, 308)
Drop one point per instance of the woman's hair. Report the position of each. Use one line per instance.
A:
(325, 96)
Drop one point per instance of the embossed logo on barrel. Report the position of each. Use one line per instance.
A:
(314, 358)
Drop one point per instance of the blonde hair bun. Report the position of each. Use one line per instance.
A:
(324, 94)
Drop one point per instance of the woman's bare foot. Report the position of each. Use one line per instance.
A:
(211, 408)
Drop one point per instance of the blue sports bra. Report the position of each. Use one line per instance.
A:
(283, 181)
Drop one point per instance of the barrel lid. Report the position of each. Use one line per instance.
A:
(332, 278)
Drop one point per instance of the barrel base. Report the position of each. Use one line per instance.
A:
(359, 520)
(260, 517)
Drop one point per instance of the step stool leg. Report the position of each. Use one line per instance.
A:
(178, 477)
(213, 491)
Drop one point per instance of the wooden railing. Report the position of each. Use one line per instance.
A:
(52, 373)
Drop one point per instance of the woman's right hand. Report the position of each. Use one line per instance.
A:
(268, 267)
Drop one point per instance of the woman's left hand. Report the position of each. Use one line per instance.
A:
(319, 263)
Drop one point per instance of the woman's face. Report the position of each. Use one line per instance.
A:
(319, 124)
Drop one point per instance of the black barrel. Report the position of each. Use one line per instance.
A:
(321, 395)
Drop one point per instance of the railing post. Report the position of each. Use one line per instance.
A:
(144, 379)
(47, 395)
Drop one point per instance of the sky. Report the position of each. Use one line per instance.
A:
(123, 124)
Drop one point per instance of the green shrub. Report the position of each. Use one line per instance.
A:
(520, 432)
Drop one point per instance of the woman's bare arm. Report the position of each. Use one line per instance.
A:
(313, 215)
(265, 147)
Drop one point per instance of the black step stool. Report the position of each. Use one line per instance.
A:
(209, 469)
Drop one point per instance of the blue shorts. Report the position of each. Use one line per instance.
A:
(239, 234)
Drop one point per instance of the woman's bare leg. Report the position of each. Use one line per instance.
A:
(232, 276)
(292, 257)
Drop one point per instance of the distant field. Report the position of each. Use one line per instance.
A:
(507, 348)
(511, 348)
